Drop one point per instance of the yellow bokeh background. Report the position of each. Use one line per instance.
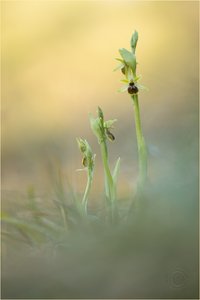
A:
(57, 66)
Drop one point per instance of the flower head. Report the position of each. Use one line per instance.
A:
(127, 66)
(102, 128)
(88, 156)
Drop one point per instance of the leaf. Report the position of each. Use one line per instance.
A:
(116, 171)
(118, 67)
(94, 123)
(28, 227)
(108, 124)
(88, 150)
(106, 189)
(123, 89)
(136, 78)
(129, 74)
(124, 80)
(129, 58)
(80, 170)
(142, 87)
(119, 59)
(97, 128)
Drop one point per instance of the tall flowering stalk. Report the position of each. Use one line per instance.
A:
(128, 66)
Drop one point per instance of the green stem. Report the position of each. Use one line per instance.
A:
(109, 184)
(87, 190)
(142, 149)
(108, 176)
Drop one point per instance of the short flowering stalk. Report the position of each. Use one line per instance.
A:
(87, 190)
(128, 67)
(88, 164)
(101, 129)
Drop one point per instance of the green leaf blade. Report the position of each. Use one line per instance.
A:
(129, 58)
(116, 171)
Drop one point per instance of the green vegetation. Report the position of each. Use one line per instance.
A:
(38, 226)
(65, 248)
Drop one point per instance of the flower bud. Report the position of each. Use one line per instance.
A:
(81, 145)
(100, 113)
(134, 40)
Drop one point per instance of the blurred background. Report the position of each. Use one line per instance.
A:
(57, 67)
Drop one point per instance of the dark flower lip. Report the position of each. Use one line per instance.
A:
(132, 89)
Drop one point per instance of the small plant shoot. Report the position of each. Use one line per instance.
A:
(88, 164)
